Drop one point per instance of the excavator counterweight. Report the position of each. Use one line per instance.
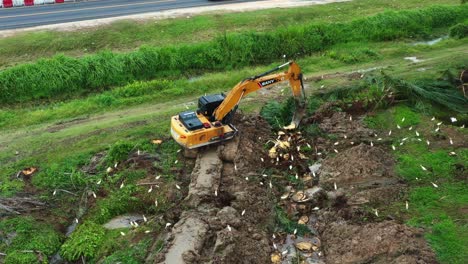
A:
(211, 123)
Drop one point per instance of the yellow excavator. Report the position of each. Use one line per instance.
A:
(211, 123)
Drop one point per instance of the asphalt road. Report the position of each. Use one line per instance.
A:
(22, 17)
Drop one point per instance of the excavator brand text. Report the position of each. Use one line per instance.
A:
(267, 82)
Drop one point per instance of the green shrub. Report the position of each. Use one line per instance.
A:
(278, 114)
(85, 241)
(459, 31)
(17, 257)
(62, 76)
(30, 235)
(119, 202)
(119, 151)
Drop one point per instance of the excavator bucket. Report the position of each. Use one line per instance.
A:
(297, 117)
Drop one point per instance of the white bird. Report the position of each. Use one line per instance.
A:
(451, 141)
(417, 133)
(177, 186)
(98, 182)
(440, 123)
(147, 231)
(138, 152)
(271, 185)
(235, 167)
(122, 185)
(376, 212)
(229, 228)
(407, 205)
(145, 219)
(352, 143)
(290, 167)
(178, 150)
(308, 145)
(316, 208)
(390, 133)
(336, 143)
(109, 170)
(76, 220)
(404, 139)
(122, 233)
(157, 177)
(156, 203)
(403, 119)
(115, 165)
(265, 175)
(410, 128)
(435, 185)
(297, 176)
(452, 153)
(168, 225)
(393, 147)
(371, 144)
(345, 136)
(295, 231)
(94, 195)
(292, 157)
(334, 185)
(379, 139)
(246, 178)
(243, 212)
(284, 252)
(150, 189)
(54, 193)
(336, 151)
(176, 161)
(398, 126)
(261, 183)
(453, 119)
(437, 129)
(350, 118)
(216, 192)
(423, 168)
(262, 159)
(274, 245)
(433, 118)
(427, 142)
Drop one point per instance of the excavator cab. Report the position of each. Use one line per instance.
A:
(211, 122)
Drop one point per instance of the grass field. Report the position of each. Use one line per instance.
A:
(61, 136)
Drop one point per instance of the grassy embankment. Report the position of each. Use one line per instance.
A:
(47, 137)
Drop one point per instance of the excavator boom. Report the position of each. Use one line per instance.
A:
(211, 123)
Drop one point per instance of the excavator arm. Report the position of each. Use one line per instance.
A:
(211, 122)
(264, 80)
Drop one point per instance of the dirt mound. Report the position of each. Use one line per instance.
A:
(341, 124)
(362, 164)
(228, 212)
(385, 242)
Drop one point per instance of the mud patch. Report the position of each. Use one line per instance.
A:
(359, 165)
(385, 242)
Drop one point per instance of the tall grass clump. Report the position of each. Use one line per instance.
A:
(62, 76)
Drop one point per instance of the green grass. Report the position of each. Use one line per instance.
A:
(62, 76)
(440, 210)
(31, 235)
(125, 35)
